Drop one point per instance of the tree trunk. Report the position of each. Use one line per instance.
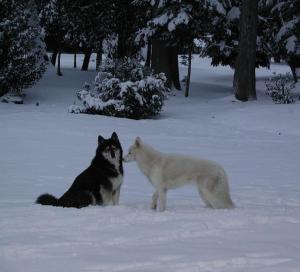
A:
(276, 59)
(53, 57)
(58, 64)
(164, 59)
(294, 63)
(99, 58)
(293, 69)
(148, 58)
(122, 50)
(188, 78)
(2, 91)
(174, 68)
(244, 76)
(86, 60)
(75, 60)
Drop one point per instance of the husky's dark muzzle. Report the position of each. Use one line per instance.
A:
(112, 153)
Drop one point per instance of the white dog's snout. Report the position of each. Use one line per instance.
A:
(127, 158)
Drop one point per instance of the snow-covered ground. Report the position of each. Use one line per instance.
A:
(43, 148)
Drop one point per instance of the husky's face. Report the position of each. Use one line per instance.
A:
(132, 151)
(110, 149)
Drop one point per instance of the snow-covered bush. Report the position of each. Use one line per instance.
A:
(123, 88)
(279, 86)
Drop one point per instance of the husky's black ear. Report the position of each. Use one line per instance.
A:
(137, 141)
(100, 140)
(114, 137)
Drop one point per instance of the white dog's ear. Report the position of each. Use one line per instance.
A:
(137, 141)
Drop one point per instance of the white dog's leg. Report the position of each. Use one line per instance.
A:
(204, 197)
(162, 200)
(217, 193)
(154, 200)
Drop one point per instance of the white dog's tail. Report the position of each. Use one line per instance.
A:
(216, 192)
(229, 201)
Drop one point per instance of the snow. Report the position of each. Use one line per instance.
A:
(44, 147)
(288, 26)
(181, 18)
(161, 20)
(291, 44)
(218, 6)
(233, 13)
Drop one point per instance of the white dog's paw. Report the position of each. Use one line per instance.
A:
(154, 206)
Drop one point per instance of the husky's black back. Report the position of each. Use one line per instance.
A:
(86, 188)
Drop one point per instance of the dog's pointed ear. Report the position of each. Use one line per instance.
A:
(138, 141)
(100, 140)
(114, 137)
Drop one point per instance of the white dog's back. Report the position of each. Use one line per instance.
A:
(177, 167)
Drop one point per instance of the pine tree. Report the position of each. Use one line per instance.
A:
(173, 25)
(57, 28)
(285, 17)
(23, 55)
(93, 21)
(90, 22)
(223, 42)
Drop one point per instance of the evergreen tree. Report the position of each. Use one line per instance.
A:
(285, 28)
(223, 42)
(91, 21)
(23, 55)
(57, 28)
(172, 25)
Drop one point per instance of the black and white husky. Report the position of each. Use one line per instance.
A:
(99, 184)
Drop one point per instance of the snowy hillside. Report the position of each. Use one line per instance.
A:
(43, 148)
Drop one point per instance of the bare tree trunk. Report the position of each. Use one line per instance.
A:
(86, 60)
(174, 68)
(122, 49)
(59, 73)
(276, 59)
(292, 62)
(53, 57)
(75, 60)
(164, 59)
(148, 58)
(293, 69)
(2, 91)
(188, 78)
(99, 58)
(244, 76)
(160, 61)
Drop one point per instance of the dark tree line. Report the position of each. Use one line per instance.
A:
(243, 34)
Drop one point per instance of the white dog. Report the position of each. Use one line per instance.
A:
(167, 171)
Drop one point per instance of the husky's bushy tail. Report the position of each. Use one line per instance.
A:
(75, 200)
(47, 199)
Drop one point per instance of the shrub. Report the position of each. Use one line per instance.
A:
(279, 86)
(123, 88)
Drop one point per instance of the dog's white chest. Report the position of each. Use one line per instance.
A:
(116, 182)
